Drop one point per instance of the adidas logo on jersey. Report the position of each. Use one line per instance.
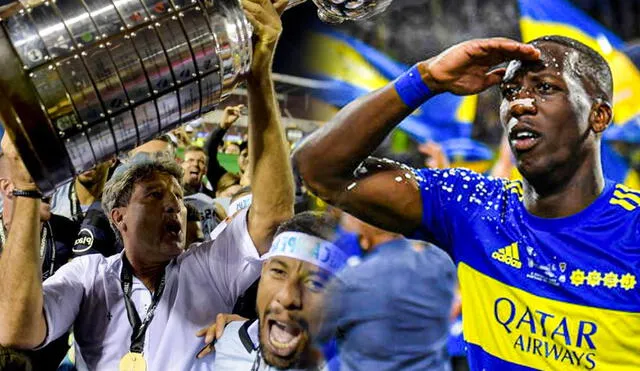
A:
(508, 255)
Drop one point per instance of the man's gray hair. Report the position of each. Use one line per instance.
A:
(118, 189)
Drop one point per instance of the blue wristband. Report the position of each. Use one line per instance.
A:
(411, 89)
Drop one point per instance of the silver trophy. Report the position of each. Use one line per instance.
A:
(82, 80)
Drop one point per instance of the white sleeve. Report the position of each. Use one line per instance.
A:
(63, 294)
(232, 259)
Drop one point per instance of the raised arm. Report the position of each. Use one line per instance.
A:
(214, 170)
(270, 167)
(385, 194)
(22, 323)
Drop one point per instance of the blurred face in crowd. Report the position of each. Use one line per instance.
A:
(290, 294)
(195, 167)
(154, 221)
(232, 149)
(97, 175)
(243, 160)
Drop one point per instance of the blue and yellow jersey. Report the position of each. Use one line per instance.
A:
(548, 294)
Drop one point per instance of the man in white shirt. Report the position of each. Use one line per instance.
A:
(291, 292)
(142, 308)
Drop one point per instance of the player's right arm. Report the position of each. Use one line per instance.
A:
(22, 321)
(387, 195)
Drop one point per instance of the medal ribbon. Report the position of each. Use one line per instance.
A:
(139, 327)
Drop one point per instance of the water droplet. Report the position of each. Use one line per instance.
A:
(398, 179)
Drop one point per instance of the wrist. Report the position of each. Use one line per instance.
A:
(25, 186)
(411, 87)
(28, 193)
(427, 78)
(259, 78)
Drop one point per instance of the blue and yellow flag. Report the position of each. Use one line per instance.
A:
(558, 17)
(353, 69)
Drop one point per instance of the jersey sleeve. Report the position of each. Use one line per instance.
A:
(449, 198)
(63, 293)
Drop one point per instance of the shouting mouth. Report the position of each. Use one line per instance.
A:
(283, 337)
(173, 227)
(523, 139)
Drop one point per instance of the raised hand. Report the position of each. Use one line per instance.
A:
(230, 115)
(19, 175)
(466, 68)
(264, 16)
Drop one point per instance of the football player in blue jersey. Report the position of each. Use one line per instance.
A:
(547, 266)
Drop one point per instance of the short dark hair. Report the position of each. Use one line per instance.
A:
(321, 225)
(590, 64)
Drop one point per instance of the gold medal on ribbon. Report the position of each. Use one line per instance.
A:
(133, 362)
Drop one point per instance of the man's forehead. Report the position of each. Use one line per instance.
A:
(298, 264)
(157, 178)
(553, 58)
(194, 153)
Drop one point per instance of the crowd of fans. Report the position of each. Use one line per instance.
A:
(154, 261)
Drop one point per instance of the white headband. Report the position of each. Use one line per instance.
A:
(308, 248)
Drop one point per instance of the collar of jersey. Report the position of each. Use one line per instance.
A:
(570, 221)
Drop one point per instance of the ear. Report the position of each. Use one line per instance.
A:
(117, 218)
(6, 187)
(600, 116)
